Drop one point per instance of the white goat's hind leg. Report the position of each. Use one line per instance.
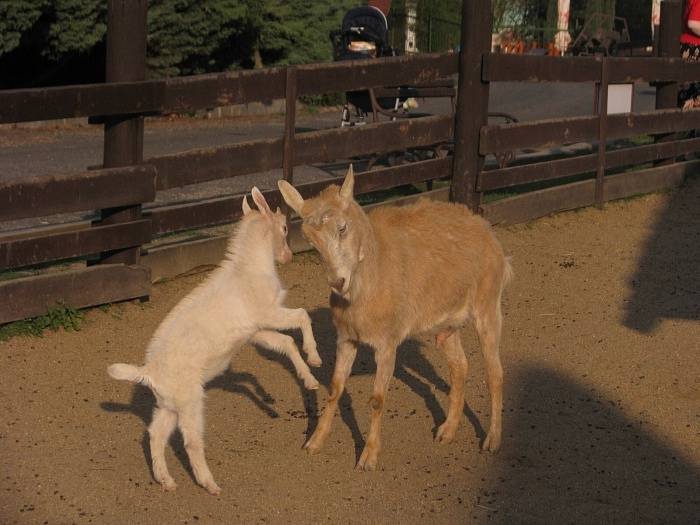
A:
(457, 361)
(160, 429)
(286, 318)
(488, 326)
(191, 422)
(285, 345)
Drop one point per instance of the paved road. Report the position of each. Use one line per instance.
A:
(27, 152)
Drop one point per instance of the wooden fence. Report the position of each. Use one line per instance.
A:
(112, 243)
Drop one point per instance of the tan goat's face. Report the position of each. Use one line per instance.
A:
(276, 223)
(330, 225)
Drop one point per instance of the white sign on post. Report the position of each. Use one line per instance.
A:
(620, 98)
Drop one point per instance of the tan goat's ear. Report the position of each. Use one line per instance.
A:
(346, 192)
(245, 206)
(291, 196)
(260, 201)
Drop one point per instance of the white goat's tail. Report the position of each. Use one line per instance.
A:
(508, 273)
(124, 372)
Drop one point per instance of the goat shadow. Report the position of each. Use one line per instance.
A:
(412, 369)
(666, 283)
(142, 404)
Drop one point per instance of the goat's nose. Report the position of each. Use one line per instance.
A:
(338, 284)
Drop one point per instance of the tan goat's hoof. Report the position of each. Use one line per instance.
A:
(445, 434)
(368, 461)
(492, 442)
(312, 448)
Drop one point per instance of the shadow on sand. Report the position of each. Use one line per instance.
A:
(142, 404)
(571, 455)
(666, 284)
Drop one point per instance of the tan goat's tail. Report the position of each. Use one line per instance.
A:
(508, 273)
(124, 372)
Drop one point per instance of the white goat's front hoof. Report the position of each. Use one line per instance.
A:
(168, 485)
(310, 383)
(213, 488)
(313, 358)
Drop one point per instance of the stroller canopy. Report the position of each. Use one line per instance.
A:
(367, 23)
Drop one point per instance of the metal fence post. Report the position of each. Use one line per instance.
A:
(123, 135)
(472, 102)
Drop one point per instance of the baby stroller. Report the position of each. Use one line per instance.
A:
(364, 34)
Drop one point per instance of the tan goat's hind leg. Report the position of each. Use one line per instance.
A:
(457, 361)
(345, 357)
(285, 345)
(191, 422)
(159, 431)
(488, 327)
(386, 361)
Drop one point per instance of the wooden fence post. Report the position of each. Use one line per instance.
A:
(472, 102)
(602, 130)
(669, 46)
(123, 135)
(290, 111)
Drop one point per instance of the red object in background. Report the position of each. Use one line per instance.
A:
(382, 5)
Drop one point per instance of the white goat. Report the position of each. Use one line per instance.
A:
(398, 272)
(239, 303)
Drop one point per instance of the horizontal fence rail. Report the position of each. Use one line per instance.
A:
(193, 167)
(527, 68)
(555, 169)
(551, 132)
(207, 91)
(29, 296)
(180, 217)
(42, 196)
(40, 248)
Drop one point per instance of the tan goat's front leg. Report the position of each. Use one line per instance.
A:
(345, 357)
(385, 358)
(286, 318)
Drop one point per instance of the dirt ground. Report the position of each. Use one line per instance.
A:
(602, 402)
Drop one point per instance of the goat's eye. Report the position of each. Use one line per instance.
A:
(343, 228)
(284, 229)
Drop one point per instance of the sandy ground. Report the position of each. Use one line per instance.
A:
(602, 402)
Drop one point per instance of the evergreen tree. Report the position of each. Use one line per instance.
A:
(74, 26)
(16, 18)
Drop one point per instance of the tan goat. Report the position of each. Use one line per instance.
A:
(397, 272)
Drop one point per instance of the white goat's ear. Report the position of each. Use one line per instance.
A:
(245, 206)
(260, 201)
(278, 211)
(346, 192)
(291, 196)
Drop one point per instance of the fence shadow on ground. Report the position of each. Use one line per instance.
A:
(142, 404)
(666, 284)
(572, 455)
